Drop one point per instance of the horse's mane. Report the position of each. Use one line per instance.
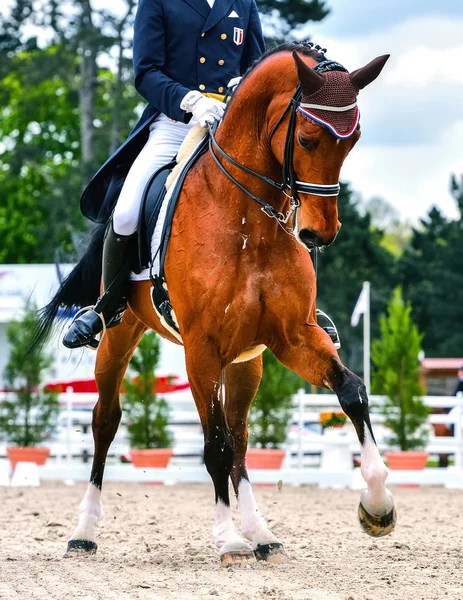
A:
(305, 48)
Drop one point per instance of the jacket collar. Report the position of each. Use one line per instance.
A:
(220, 10)
(200, 6)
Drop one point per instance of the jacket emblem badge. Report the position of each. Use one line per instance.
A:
(238, 35)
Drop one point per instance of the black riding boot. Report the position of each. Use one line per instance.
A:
(112, 304)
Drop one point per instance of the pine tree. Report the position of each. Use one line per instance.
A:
(431, 274)
(147, 415)
(272, 407)
(396, 375)
(356, 256)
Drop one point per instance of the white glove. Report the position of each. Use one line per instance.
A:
(205, 110)
(233, 83)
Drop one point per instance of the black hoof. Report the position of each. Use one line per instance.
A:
(81, 547)
(273, 553)
(377, 526)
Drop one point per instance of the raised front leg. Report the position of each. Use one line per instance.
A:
(114, 353)
(241, 384)
(205, 376)
(313, 357)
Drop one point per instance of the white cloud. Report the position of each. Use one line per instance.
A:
(412, 116)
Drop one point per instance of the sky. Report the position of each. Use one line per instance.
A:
(412, 116)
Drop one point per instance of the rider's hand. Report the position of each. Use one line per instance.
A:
(233, 83)
(205, 110)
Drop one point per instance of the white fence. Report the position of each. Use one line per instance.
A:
(305, 441)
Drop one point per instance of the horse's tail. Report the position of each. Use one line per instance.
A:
(81, 288)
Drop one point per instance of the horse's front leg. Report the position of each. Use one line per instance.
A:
(241, 384)
(114, 353)
(205, 376)
(313, 357)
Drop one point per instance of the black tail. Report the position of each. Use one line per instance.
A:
(80, 288)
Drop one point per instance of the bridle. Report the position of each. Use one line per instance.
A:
(290, 186)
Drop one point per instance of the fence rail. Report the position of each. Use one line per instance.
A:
(305, 440)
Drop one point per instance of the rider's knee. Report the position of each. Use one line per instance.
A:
(125, 221)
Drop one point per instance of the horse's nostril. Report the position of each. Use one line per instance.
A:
(310, 238)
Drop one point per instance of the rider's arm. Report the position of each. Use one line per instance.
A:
(159, 90)
(254, 45)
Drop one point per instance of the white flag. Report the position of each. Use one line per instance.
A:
(360, 308)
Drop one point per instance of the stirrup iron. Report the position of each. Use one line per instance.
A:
(93, 345)
(331, 329)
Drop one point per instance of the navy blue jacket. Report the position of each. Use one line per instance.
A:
(179, 46)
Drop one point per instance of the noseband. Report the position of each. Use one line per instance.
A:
(290, 182)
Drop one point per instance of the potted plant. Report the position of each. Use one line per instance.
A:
(396, 376)
(29, 412)
(270, 415)
(335, 419)
(147, 413)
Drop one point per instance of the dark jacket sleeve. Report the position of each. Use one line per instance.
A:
(148, 60)
(254, 45)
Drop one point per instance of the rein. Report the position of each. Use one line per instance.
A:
(289, 179)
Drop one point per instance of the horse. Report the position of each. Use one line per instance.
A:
(241, 279)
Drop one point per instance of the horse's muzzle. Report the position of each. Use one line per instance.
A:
(312, 239)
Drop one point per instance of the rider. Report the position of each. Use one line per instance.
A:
(185, 54)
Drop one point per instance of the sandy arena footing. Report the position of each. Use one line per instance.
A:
(155, 543)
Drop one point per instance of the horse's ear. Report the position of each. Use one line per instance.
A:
(362, 77)
(310, 80)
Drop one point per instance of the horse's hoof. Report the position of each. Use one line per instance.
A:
(273, 553)
(82, 547)
(238, 558)
(377, 526)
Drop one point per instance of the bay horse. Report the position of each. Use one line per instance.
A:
(240, 279)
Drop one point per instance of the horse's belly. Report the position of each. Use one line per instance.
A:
(250, 354)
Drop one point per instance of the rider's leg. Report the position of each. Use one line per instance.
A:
(165, 139)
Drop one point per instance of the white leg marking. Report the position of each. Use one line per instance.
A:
(377, 499)
(253, 525)
(224, 533)
(89, 514)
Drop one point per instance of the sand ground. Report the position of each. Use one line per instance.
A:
(155, 543)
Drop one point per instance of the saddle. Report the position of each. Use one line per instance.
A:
(172, 176)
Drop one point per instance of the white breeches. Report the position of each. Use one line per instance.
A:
(166, 137)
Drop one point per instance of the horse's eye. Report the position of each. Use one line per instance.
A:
(307, 144)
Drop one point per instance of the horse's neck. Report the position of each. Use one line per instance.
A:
(243, 135)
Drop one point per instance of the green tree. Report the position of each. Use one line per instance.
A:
(431, 274)
(147, 414)
(356, 256)
(396, 375)
(284, 17)
(272, 407)
(29, 413)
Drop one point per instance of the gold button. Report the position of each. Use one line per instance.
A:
(221, 62)
(202, 60)
(220, 89)
(224, 36)
(202, 87)
(203, 34)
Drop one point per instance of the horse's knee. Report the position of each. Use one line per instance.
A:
(351, 392)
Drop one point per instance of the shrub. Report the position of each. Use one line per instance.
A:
(396, 375)
(147, 414)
